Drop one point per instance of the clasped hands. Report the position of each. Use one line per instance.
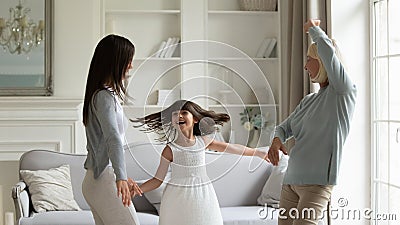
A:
(134, 188)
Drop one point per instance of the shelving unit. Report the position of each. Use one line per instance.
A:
(245, 30)
(231, 39)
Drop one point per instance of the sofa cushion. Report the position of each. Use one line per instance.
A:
(147, 219)
(83, 217)
(271, 192)
(50, 189)
(76, 218)
(225, 170)
(245, 215)
(33, 160)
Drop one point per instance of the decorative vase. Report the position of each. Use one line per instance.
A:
(254, 138)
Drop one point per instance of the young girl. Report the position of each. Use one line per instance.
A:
(189, 197)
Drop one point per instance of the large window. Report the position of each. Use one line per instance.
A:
(385, 19)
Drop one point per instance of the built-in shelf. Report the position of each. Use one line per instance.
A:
(210, 106)
(242, 59)
(234, 39)
(157, 59)
(238, 12)
(128, 106)
(131, 12)
(266, 59)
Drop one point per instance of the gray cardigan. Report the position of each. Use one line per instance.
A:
(104, 143)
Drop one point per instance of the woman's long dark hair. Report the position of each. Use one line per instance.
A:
(161, 123)
(108, 67)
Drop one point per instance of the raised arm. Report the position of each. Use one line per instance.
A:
(337, 74)
(234, 148)
(157, 180)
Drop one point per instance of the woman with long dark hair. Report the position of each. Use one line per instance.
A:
(105, 186)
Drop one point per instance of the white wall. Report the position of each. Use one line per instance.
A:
(76, 32)
(350, 27)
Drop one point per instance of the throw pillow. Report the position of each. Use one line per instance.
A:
(51, 189)
(271, 192)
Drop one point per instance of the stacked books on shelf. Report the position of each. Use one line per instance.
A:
(266, 48)
(167, 97)
(169, 48)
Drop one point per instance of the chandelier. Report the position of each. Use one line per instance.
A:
(19, 34)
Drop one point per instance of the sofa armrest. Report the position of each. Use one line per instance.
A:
(21, 200)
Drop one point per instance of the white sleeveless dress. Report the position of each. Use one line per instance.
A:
(189, 197)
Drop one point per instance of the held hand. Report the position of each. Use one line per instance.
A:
(123, 191)
(134, 188)
(311, 23)
(273, 152)
(263, 155)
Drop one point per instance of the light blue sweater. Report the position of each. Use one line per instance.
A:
(320, 123)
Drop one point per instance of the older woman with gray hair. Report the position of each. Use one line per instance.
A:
(320, 125)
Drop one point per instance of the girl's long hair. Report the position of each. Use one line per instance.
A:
(161, 123)
(108, 67)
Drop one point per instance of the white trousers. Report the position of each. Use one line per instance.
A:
(106, 206)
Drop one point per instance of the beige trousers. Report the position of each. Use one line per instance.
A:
(303, 204)
(101, 195)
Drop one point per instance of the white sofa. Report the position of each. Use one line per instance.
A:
(237, 180)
